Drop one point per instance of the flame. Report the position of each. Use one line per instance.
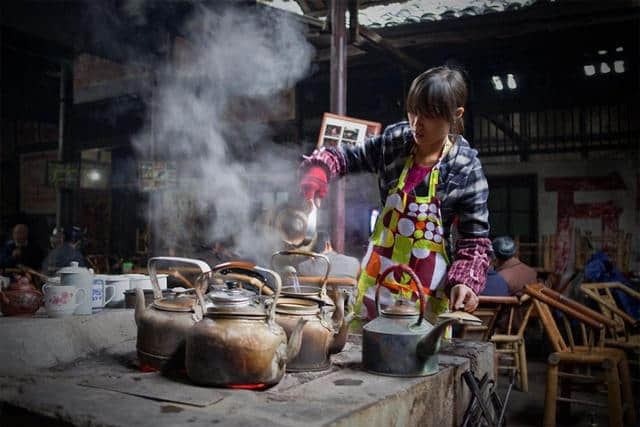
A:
(147, 368)
(247, 386)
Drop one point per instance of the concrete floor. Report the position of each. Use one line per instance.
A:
(527, 409)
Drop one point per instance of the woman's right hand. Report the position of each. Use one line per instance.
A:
(314, 183)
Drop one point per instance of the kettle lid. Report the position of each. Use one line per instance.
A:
(401, 308)
(235, 301)
(72, 268)
(175, 302)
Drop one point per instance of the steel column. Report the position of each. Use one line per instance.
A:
(338, 101)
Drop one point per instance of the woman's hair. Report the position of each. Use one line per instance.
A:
(438, 92)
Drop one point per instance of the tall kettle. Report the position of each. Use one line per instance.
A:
(400, 341)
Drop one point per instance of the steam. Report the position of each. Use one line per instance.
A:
(226, 160)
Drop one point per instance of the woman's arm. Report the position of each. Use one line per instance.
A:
(472, 249)
(366, 157)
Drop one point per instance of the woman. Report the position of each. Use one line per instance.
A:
(429, 179)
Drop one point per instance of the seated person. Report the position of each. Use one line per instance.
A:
(516, 273)
(66, 248)
(495, 286)
(341, 265)
(20, 251)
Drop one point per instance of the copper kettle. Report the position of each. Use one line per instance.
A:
(163, 326)
(327, 326)
(400, 341)
(20, 298)
(238, 343)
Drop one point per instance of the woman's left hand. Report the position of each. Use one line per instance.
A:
(463, 296)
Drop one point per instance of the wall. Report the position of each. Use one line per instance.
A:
(624, 164)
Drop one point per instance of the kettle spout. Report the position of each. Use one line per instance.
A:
(140, 305)
(430, 344)
(341, 324)
(295, 340)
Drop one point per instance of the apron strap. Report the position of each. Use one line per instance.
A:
(407, 165)
(433, 181)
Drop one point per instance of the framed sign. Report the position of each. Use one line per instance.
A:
(36, 196)
(336, 130)
(156, 175)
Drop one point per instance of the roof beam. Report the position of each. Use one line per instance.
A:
(387, 47)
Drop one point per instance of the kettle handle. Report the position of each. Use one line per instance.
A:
(247, 267)
(260, 283)
(309, 254)
(151, 266)
(278, 280)
(234, 264)
(403, 269)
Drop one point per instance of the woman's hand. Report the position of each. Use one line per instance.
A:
(314, 184)
(462, 297)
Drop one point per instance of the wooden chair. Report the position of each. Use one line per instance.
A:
(592, 354)
(510, 344)
(489, 309)
(620, 335)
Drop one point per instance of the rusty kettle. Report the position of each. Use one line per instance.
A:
(327, 326)
(238, 343)
(400, 341)
(163, 326)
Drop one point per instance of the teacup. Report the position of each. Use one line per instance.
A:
(121, 282)
(99, 292)
(60, 301)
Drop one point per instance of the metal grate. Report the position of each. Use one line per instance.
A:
(581, 128)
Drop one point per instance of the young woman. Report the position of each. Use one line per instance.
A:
(430, 179)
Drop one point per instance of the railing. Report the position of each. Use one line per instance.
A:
(578, 129)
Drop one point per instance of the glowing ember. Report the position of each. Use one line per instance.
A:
(248, 386)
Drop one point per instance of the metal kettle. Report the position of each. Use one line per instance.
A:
(238, 343)
(400, 341)
(163, 326)
(327, 326)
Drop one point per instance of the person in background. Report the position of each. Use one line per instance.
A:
(341, 265)
(429, 177)
(516, 273)
(19, 251)
(495, 286)
(65, 249)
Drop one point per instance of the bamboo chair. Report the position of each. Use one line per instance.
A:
(511, 344)
(489, 309)
(592, 354)
(620, 336)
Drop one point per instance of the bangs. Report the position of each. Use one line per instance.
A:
(437, 93)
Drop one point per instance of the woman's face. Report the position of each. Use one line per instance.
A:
(430, 130)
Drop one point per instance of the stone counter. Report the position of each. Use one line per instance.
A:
(91, 388)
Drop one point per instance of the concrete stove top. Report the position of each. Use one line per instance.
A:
(82, 390)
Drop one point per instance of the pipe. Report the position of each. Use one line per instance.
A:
(338, 106)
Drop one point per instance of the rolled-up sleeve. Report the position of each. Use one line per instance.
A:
(473, 247)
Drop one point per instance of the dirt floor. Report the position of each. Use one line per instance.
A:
(527, 409)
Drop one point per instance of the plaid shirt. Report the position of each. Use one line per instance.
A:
(462, 189)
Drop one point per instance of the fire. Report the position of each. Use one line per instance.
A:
(247, 386)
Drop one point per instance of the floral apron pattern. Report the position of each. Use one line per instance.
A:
(408, 231)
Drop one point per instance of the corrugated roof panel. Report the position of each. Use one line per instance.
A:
(414, 11)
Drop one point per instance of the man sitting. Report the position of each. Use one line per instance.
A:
(341, 265)
(66, 248)
(20, 251)
(516, 273)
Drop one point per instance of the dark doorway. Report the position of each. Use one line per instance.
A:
(513, 211)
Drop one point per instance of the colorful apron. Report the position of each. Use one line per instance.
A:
(408, 231)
